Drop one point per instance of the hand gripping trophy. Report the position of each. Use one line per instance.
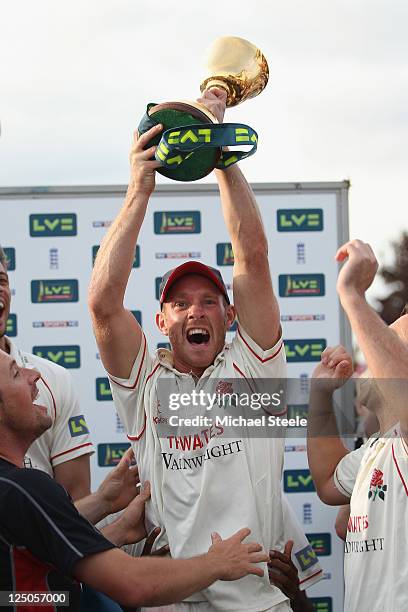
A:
(192, 142)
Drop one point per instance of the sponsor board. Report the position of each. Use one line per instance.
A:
(300, 411)
(321, 543)
(53, 225)
(120, 428)
(157, 282)
(299, 219)
(54, 291)
(55, 324)
(77, 426)
(136, 261)
(68, 356)
(295, 448)
(305, 349)
(109, 454)
(179, 255)
(11, 326)
(301, 285)
(107, 223)
(10, 253)
(307, 514)
(225, 256)
(322, 604)
(177, 222)
(138, 316)
(303, 317)
(298, 481)
(103, 390)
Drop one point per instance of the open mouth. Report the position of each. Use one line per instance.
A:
(198, 335)
(2, 306)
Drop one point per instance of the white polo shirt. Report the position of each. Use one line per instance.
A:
(207, 480)
(68, 437)
(375, 567)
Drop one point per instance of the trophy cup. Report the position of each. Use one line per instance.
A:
(192, 142)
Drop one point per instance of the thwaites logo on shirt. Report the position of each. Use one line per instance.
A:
(103, 390)
(54, 291)
(68, 356)
(301, 285)
(111, 453)
(307, 349)
(225, 255)
(10, 254)
(299, 220)
(77, 426)
(298, 481)
(136, 261)
(377, 486)
(173, 461)
(11, 326)
(306, 557)
(322, 604)
(321, 543)
(177, 222)
(55, 225)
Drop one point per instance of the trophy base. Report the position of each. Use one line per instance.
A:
(176, 114)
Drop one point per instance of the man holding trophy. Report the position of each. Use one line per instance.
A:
(222, 483)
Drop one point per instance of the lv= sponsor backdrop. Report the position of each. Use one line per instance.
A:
(52, 235)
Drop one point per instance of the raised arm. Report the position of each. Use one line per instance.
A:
(257, 307)
(385, 348)
(117, 332)
(324, 446)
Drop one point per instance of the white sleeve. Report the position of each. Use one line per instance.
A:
(127, 393)
(256, 362)
(70, 433)
(303, 556)
(263, 370)
(347, 469)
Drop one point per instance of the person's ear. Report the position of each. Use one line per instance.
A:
(161, 323)
(230, 314)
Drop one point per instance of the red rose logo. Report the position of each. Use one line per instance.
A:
(224, 387)
(377, 478)
(377, 486)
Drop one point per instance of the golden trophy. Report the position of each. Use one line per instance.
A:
(190, 146)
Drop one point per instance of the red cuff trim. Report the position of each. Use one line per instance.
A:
(398, 470)
(338, 482)
(137, 438)
(310, 577)
(255, 354)
(71, 450)
(138, 373)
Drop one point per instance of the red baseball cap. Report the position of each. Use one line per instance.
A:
(191, 267)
